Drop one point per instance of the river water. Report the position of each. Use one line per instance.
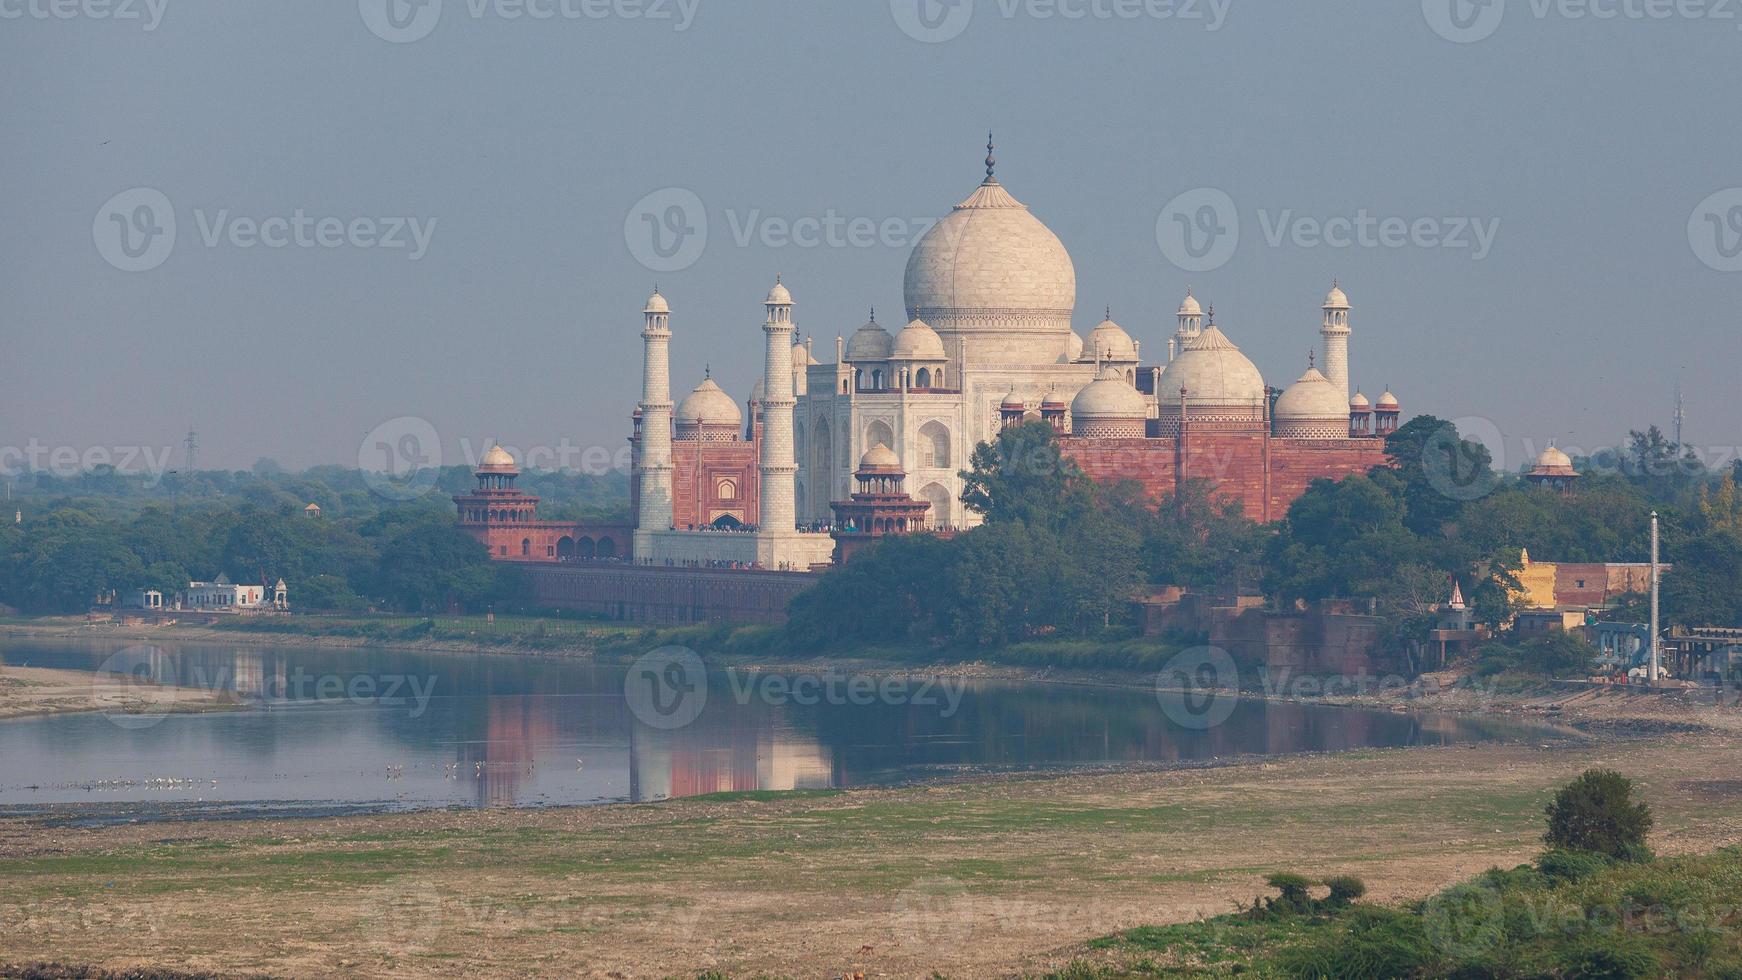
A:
(330, 731)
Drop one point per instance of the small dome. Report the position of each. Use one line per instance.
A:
(657, 304)
(1387, 402)
(497, 459)
(1190, 307)
(1110, 397)
(1359, 403)
(880, 457)
(918, 342)
(1109, 341)
(1012, 403)
(1336, 299)
(801, 356)
(708, 404)
(1073, 347)
(1054, 402)
(1312, 398)
(870, 343)
(1554, 459)
(1213, 372)
(779, 295)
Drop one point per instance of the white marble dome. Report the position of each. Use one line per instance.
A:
(1110, 342)
(709, 404)
(497, 459)
(992, 272)
(657, 304)
(1312, 408)
(1213, 372)
(880, 457)
(1553, 458)
(1313, 397)
(1110, 396)
(870, 343)
(1073, 347)
(918, 342)
(801, 357)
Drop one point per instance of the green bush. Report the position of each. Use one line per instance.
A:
(1609, 956)
(1370, 944)
(1596, 813)
(1571, 866)
(1344, 890)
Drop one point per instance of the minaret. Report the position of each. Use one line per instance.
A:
(654, 513)
(1336, 333)
(779, 511)
(1191, 325)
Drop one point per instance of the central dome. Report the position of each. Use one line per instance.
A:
(993, 274)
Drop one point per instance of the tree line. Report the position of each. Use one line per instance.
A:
(1061, 555)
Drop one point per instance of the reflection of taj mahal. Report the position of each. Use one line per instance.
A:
(990, 294)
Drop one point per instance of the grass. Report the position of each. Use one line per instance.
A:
(1675, 917)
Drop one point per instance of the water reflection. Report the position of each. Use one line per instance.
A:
(399, 730)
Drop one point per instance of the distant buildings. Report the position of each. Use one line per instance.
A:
(220, 596)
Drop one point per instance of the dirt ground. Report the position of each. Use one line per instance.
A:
(994, 877)
(26, 691)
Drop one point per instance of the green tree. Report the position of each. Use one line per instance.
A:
(1597, 813)
(1024, 476)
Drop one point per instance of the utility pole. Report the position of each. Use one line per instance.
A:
(1681, 416)
(1654, 671)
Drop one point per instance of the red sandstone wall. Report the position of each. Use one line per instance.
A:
(1265, 475)
(651, 594)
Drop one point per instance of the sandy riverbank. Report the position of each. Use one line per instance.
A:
(32, 691)
(992, 877)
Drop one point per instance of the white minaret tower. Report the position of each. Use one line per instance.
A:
(654, 513)
(1336, 333)
(779, 517)
(1191, 324)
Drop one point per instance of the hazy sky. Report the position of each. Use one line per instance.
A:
(522, 148)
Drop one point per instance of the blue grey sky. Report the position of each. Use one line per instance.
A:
(520, 146)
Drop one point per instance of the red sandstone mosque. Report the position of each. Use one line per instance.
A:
(829, 455)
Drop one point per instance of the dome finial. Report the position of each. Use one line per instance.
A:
(991, 161)
(1109, 312)
(1212, 313)
(1312, 359)
(873, 314)
(708, 370)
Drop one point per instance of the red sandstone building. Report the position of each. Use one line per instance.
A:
(505, 520)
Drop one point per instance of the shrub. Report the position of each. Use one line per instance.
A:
(1294, 897)
(1344, 890)
(1609, 956)
(1570, 866)
(1372, 943)
(1596, 813)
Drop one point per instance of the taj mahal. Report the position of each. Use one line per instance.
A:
(819, 450)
